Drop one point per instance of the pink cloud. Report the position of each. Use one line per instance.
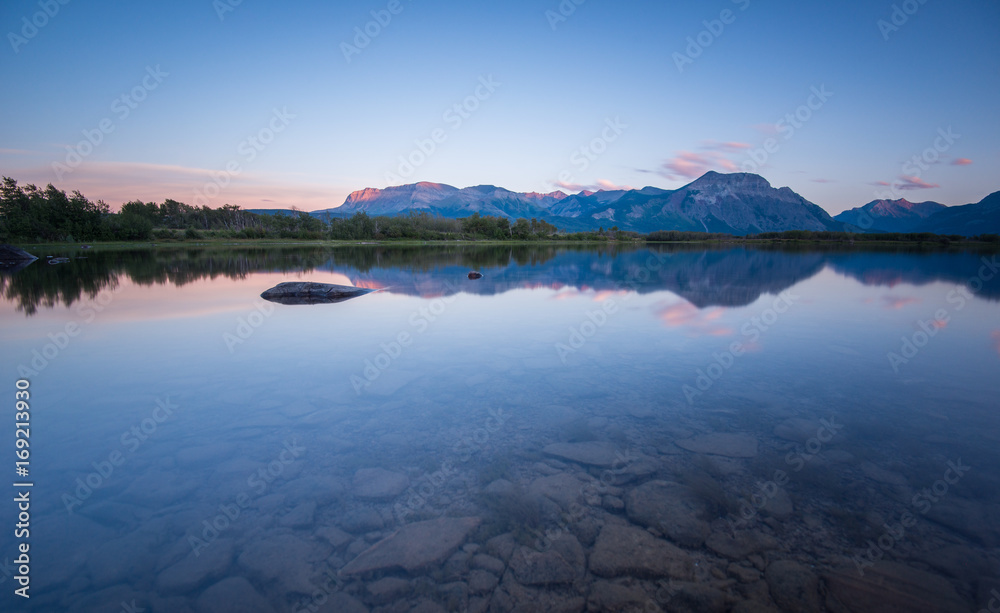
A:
(961, 162)
(729, 147)
(906, 182)
(898, 302)
(601, 184)
(691, 165)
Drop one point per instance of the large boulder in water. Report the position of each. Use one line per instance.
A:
(312, 293)
(14, 258)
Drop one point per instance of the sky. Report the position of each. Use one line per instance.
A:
(279, 105)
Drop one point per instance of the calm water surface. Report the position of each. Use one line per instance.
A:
(580, 430)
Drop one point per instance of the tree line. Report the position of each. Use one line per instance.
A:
(31, 214)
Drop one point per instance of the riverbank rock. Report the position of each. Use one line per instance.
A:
(414, 546)
(671, 508)
(629, 551)
(718, 443)
(312, 293)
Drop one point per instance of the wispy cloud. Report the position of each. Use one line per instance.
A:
(961, 162)
(915, 183)
(824, 181)
(602, 184)
(996, 340)
(691, 165)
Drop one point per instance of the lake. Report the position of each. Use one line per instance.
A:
(584, 428)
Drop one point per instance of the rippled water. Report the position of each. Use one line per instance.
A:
(632, 430)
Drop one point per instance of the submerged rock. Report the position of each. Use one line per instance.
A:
(475, 275)
(794, 587)
(630, 551)
(671, 508)
(312, 293)
(728, 445)
(233, 594)
(379, 483)
(891, 586)
(592, 453)
(414, 546)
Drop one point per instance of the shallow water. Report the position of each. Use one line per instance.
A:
(195, 448)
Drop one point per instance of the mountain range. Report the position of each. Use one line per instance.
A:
(736, 203)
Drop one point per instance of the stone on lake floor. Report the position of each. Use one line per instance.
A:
(312, 293)
(630, 551)
(608, 596)
(284, 558)
(339, 602)
(719, 443)
(299, 517)
(741, 544)
(475, 275)
(335, 536)
(379, 483)
(591, 453)
(671, 508)
(794, 587)
(563, 561)
(414, 546)
(797, 429)
(210, 564)
(565, 489)
(891, 586)
(232, 595)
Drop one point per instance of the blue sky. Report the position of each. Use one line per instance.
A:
(276, 105)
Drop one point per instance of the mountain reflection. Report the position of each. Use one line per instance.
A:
(728, 277)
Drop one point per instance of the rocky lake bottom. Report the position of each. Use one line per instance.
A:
(733, 437)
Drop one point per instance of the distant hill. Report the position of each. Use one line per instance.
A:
(890, 215)
(967, 220)
(738, 203)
